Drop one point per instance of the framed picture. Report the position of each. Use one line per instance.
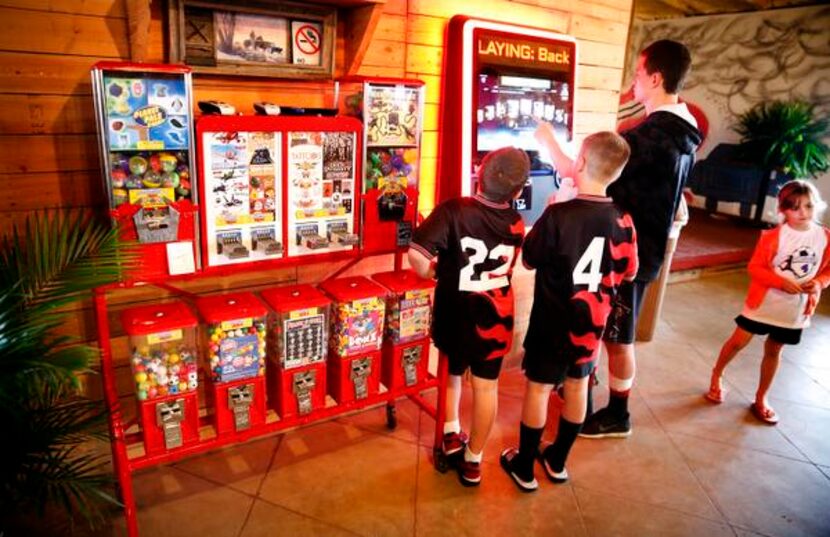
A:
(256, 38)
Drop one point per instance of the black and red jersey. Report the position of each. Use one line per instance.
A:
(582, 250)
(477, 243)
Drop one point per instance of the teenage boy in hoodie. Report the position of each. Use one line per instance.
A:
(650, 188)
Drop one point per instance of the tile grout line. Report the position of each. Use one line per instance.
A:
(579, 509)
(686, 462)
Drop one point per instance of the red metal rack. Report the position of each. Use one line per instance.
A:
(125, 464)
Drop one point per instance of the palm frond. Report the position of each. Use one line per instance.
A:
(53, 260)
(59, 257)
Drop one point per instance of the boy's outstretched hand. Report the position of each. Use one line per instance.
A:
(544, 133)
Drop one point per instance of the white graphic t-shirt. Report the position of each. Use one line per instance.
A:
(798, 259)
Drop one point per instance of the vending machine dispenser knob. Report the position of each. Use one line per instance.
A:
(304, 383)
(169, 417)
(240, 399)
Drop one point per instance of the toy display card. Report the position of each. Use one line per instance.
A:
(242, 196)
(147, 113)
(321, 173)
(392, 116)
(303, 340)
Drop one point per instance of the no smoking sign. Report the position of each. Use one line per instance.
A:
(306, 37)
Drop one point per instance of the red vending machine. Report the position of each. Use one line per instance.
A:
(233, 340)
(298, 345)
(277, 188)
(162, 340)
(392, 114)
(408, 318)
(358, 313)
(145, 133)
(498, 78)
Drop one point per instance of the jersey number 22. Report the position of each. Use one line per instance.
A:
(488, 279)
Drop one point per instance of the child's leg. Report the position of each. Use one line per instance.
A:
(570, 422)
(534, 417)
(769, 366)
(739, 339)
(621, 370)
(485, 406)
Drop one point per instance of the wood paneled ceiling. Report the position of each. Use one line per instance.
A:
(672, 9)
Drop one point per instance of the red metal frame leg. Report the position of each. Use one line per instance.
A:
(441, 403)
(120, 462)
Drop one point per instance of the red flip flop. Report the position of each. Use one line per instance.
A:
(765, 414)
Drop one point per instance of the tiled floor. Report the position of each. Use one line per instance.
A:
(690, 468)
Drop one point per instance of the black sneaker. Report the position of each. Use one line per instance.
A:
(506, 460)
(604, 424)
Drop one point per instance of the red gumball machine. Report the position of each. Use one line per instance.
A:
(392, 111)
(356, 334)
(163, 343)
(233, 340)
(146, 146)
(405, 348)
(297, 348)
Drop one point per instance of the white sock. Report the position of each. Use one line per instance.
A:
(469, 456)
(452, 427)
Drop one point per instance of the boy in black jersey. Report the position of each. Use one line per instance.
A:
(582, 251)
(475, 241)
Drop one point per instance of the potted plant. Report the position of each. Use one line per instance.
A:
(787, 138)
(50, 462)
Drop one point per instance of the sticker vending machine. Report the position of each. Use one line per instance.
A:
(145, 132)
(392, 114)
(278, 188)
(499, 79)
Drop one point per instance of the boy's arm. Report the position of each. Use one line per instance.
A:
(421, 264)
(547, 138)
(428, 240)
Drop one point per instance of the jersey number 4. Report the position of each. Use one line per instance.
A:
(488, 279)
(587, 269)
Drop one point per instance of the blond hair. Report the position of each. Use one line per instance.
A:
(605, 153)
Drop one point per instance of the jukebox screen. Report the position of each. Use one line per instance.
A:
(508, 106)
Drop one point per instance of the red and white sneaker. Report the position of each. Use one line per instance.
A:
(454, 443)
(469, 473)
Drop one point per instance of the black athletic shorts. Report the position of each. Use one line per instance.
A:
(621, 326)
(554, 367)
(485, 369)
(787, 336)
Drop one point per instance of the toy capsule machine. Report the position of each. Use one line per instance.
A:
(405, 348)
(358, 312)
(392, 114)
(163, 343)
(145, 132)
(298, 340)
(233, 338)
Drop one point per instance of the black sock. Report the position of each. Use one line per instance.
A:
(557, 453)
(529, 439)
(618, 404)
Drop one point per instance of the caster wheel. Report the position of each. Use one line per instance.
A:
(391, 417)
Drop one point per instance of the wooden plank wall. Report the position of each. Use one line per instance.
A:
(48, 151)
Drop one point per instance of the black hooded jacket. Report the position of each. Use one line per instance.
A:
(662, 155)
